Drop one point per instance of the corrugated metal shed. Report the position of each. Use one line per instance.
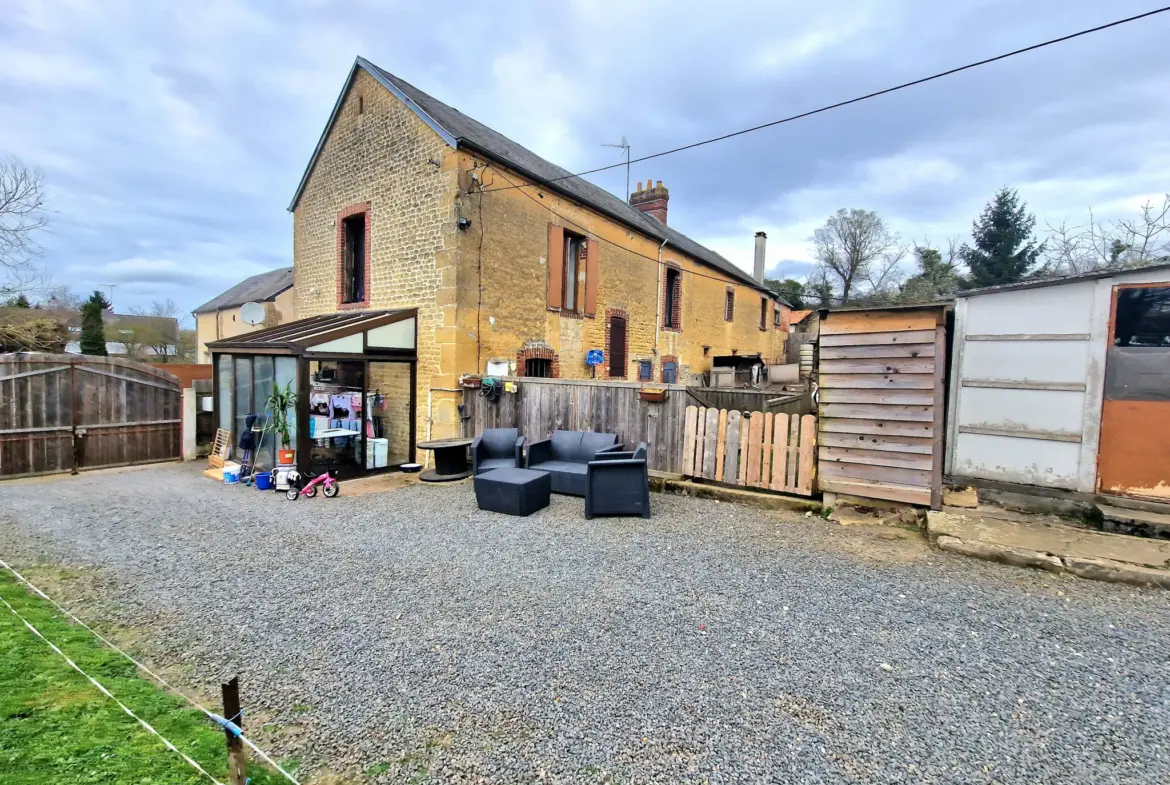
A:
(882, 396)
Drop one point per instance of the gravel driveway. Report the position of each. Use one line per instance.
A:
(408, 636)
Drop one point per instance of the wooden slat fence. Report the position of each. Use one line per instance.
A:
(881, 403)
(777, 402)
(61, 413)
(540, 406)
(752, 449)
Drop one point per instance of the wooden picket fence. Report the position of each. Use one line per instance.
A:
(752, 449)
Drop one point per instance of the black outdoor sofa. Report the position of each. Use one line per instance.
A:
(566, 456)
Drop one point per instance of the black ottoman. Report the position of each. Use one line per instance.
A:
(512, 491)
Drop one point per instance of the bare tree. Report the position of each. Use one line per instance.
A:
(22, 217)
(1097, 245)
(857, 256)
(161, 340)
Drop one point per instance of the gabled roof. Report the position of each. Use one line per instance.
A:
(460, 131)
(257, 289)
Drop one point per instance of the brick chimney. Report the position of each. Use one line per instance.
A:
(651, 201)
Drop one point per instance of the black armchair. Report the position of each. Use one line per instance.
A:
(618, 483)
(496, 448)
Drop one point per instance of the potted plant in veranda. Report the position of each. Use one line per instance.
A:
(280, 403)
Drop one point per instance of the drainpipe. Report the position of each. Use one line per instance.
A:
(658, 310)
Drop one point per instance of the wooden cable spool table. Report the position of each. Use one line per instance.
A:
(450, 460)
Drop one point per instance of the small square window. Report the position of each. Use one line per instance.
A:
(538, 367)
(645, 370)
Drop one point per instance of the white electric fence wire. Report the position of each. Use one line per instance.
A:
(211, 715)
(110, 695)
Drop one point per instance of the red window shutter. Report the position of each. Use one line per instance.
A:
(590, 277)
(556, 265)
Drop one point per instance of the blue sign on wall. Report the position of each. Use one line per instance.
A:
(594, 357)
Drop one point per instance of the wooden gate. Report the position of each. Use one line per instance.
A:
(753, 449)
(67, 413)
(881, 403)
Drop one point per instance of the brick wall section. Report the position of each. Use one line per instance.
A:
(388, 159)
(361, 208)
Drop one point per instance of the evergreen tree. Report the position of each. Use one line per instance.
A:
(93, 333)
(19, 301)
(936, 279)
(1004, 250)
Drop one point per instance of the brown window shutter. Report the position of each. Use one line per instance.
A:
(556, 265)
(591, 277)
(617, 347)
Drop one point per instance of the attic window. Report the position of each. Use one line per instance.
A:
(361, 104)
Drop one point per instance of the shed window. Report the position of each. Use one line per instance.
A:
(1143, 317)
(669, 373)
(645, 370)
(538, 367)
(729, 306)
(353, 258)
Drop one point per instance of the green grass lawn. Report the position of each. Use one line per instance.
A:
(55, 727)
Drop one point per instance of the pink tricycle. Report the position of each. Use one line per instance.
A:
(330, 487)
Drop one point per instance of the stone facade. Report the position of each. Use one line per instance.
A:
(481, 283)
(378, 153)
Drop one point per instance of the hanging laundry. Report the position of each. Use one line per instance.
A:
(340, 404)
(319, 403)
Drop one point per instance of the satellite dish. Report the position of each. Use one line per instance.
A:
(252, 313)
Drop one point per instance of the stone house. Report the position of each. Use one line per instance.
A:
(513, 265)
(220, 317)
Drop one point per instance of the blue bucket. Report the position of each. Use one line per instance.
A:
(263, 481)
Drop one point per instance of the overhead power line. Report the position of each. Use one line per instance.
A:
(856, 100)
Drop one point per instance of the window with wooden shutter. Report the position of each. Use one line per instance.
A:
(591, 280)
(672, 299)
(617, 347)
(556, 266)
(763, 313)
(645, 370)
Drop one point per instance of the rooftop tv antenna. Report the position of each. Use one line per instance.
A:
(624, 145)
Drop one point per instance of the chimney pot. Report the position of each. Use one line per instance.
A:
(761, 241)
(652, 200)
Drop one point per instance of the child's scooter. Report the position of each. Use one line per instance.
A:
(329, 486)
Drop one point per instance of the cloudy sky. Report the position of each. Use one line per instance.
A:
(172, 135)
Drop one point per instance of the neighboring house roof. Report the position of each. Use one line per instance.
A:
(460, 131)
(1042, 282)
(257, 289)
(111, 322)
(799, 316)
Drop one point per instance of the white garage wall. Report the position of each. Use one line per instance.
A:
(1020, 384)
